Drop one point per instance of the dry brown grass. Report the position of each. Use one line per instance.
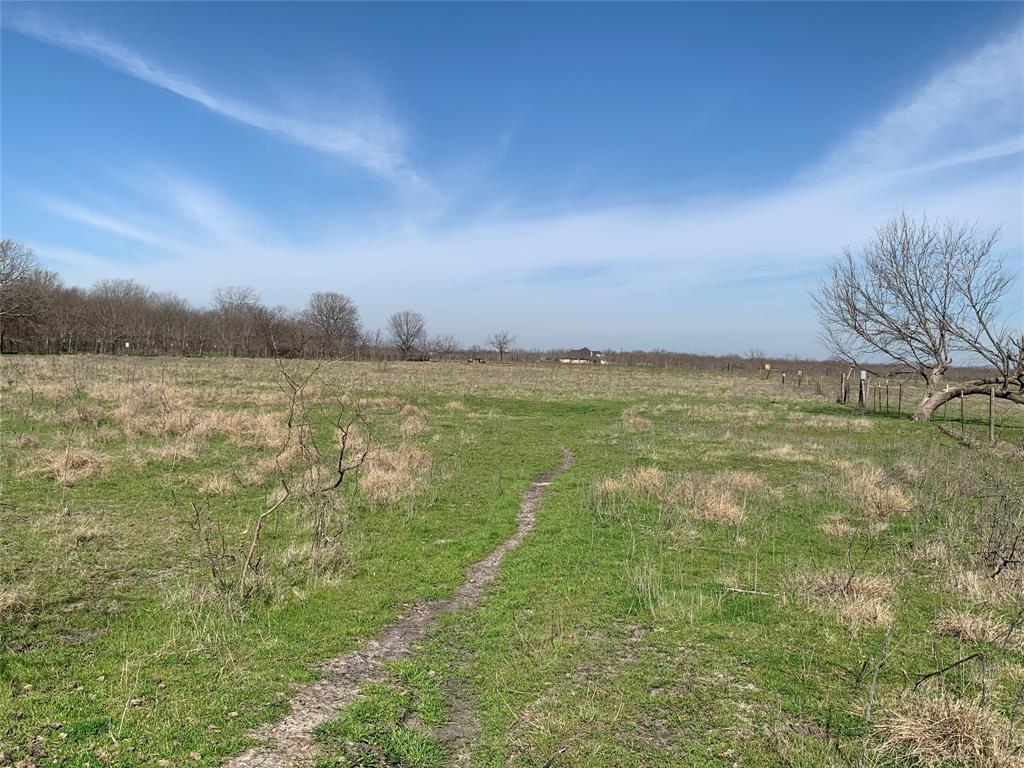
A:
(413, 425)
(454, 405)
(13, 599)
(983, 589)
(641, 479)
(19, 441)
(390, 475)
(263, 429)
(838, 526)
(872, 491)
(69, 465)
(216, 485)
(933, 731)
(936, 552)
(787, 452)
(711, 498)
(633, 422)
(972, 627)
(858, 600)
(841, 423)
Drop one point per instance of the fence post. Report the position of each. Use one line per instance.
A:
(992, 415)
(962, 427)
(899, 402)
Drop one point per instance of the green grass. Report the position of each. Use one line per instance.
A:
(610, 637)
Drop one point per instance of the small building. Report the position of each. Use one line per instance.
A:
(583, 356)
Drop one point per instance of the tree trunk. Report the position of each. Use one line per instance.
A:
(931, 402)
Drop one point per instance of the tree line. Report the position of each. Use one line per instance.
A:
(40, 314)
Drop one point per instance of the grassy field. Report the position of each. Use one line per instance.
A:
(732, 573)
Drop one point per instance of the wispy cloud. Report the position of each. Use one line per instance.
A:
(106, 222)
(968, 110)
(704, 275)
(371, 141)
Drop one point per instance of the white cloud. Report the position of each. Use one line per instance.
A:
(370, 141)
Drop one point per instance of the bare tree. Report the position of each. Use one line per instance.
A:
(408, 332)
(117, 308)
(444, 345)
(234, 307)
(335, 321)
(916, 294)
(501, 342)
(21, 289)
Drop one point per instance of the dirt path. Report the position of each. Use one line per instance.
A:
(291, 739)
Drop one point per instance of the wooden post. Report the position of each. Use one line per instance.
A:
(899, 401)
(962, 415)
(992, 415)
(887, 397)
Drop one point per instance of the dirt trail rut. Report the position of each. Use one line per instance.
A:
(290, 740)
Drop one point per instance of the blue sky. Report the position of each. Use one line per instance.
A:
(616, 175)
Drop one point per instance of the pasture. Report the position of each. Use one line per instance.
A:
(730, 573)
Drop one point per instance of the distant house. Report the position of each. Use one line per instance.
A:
(581, 356)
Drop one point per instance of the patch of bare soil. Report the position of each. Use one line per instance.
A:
(289, 742)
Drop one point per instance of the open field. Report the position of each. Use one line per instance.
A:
(730, 573)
